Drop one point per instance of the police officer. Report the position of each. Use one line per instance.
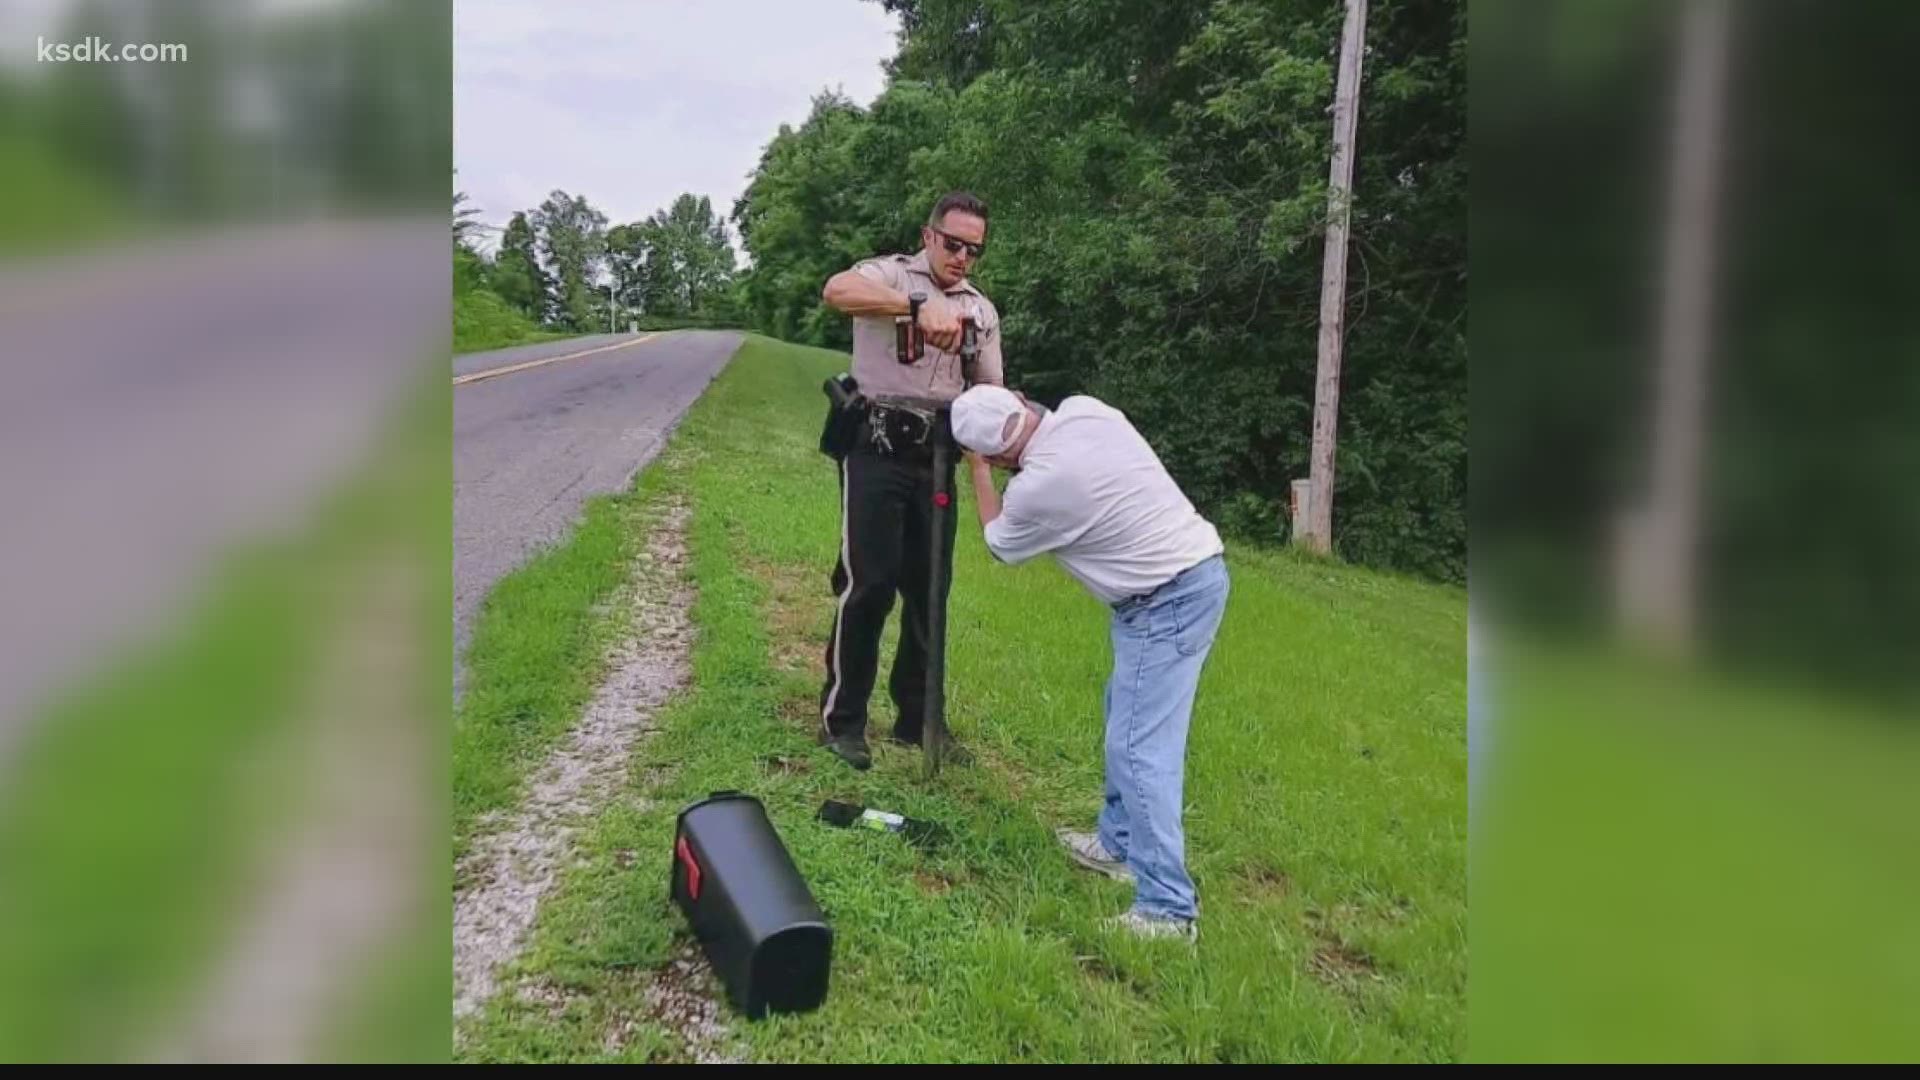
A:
(886, 478)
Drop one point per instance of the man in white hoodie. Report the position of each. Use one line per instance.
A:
(1090, 491)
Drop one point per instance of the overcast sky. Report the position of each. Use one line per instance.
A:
(631, 102)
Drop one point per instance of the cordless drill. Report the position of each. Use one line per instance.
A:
(969, 348)
(909, 341)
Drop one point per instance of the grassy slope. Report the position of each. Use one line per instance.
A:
(482, 321)
(1327, 818)
(1672, 864)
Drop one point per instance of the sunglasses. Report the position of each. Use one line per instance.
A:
(955, 245)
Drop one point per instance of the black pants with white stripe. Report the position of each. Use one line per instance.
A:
(886, 529)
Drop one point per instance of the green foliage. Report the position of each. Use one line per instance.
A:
(573, 241)
(1156, 177)
(295, 110)
(675, 265)
(559, 266)
(518, 277)
(51, 205)
(481, 320)
(1807, 443)
(483, 316)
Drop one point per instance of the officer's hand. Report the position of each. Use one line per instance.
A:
(940, 323)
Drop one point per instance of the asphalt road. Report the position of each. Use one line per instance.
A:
(531, 446)
(497, 359)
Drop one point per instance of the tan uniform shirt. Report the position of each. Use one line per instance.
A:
(936, 375)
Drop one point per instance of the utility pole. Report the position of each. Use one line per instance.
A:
(1655, 577)
(1333, 286)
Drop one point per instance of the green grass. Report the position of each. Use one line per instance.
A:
(1672, 864)
(52, 206)
(1327, 794)
(536, 653)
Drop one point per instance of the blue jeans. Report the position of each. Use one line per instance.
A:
(1160, 645)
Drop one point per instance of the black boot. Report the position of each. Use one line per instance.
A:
(851, 749)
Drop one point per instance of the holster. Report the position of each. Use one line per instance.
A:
(846, 412)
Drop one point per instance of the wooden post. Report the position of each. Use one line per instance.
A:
(1655, 579)
(1333, 286)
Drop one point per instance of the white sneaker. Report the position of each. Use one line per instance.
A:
(1151, 926)
(1088, 851)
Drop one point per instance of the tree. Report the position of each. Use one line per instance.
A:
(471, 269)
(518, 277)
(573, 242)
(464, 226)
(692, 262)
(89, 112)
(628, 250)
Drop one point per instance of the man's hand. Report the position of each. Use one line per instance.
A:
(984, 497)
(940, 324)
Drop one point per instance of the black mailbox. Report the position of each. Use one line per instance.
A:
(749, 907)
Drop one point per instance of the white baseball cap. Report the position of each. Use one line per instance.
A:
(980, 419)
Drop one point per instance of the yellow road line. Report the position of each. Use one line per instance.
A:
(476, 376)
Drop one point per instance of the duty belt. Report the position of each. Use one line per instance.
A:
(898, 426)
